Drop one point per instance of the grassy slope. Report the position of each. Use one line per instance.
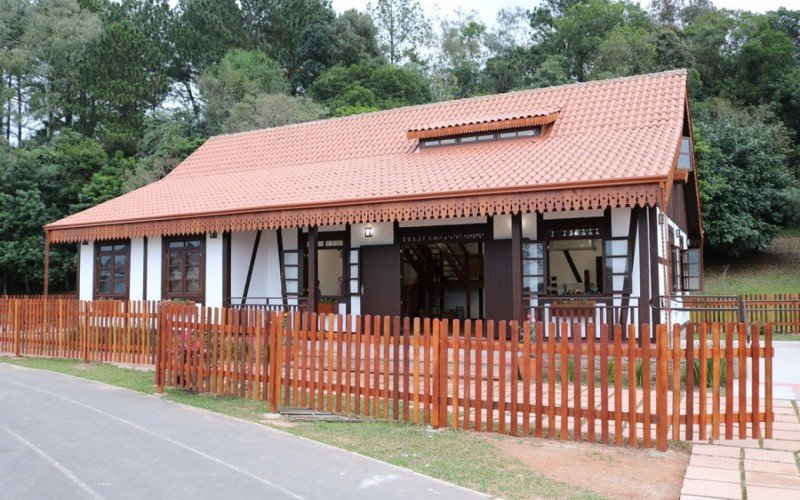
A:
(457, 457)
(776, 270)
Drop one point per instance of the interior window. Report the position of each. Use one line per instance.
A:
(112, 265)
(184, 260)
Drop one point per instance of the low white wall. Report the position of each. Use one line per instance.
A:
(86, 285)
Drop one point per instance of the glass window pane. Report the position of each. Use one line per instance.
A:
(431, 143)
(529, 132)
(119, 287)
(120, 260)
(119, 272)
(175, 273)
(193, 273)
(105, 261)
(507, 135)
(290, 258)
(616, 247)
(175, 286)
(193, 258)
(176, 244)
(192, 286)
(486, 137)
(119, 248)
(193, 244)
(105, 287)
(106, 248)
(447, 142)
(176, 258)
(616, 265)
(469, 138)
(104, 273)
(530, 267)
(533, 250)
(533, 284)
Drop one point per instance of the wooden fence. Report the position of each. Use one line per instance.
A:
(558, 380)
(780, 310)
(114, 331)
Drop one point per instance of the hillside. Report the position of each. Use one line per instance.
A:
(776, 270)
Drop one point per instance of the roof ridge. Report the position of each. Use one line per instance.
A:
(480, 98)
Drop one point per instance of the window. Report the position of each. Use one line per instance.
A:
(617, 265)
(482, 137)
(685, 156)
(533, 268)
(691, 266)
(112, 269)
(184, 265)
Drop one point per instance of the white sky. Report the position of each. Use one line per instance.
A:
(488, 8)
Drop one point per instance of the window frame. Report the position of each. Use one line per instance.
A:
(166, 295)
(473, 138)
(96, 293)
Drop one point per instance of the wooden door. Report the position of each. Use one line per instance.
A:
(381, 285)
(497, 280)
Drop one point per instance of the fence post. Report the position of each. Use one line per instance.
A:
(85, 331)
(159, 349)
(275, 360)
(16, 327)
(437, 374)
(661, 388)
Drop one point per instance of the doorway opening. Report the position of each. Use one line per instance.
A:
(443, 279)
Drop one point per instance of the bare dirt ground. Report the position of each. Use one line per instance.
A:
(607, 470)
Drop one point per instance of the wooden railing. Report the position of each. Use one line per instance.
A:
(114, 331)
(555, 380)
(780, 310)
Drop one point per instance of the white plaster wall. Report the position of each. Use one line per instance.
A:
(501, 226)
(86, 291)
(214, 271)
(382, 234)
(136, 290)
(265, 281)
(620, 222)
(154, 256)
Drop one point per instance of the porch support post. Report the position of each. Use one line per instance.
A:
(516, 266)
(312, 269)
(46, 279)
(644, 266)
(226, 269)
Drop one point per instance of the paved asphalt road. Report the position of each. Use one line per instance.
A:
(64, 437)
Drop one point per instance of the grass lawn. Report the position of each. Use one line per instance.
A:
(776, 270)
(458, 457)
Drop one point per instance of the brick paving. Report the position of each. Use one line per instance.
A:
(749, 468)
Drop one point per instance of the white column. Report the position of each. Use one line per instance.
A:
(136, 269)
(86, 291)
(214, 271)
(154, 256)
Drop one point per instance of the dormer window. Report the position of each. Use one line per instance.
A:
(685, 156)
(481, 137)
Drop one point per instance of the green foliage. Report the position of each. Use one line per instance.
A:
(742, 164)
(402, 28)
(370, 85)
(271, 110)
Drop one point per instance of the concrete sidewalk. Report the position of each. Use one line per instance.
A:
(64, 437)
(760, 469)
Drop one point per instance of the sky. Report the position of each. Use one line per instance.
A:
(488, 8)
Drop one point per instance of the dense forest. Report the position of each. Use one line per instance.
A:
(99, 97)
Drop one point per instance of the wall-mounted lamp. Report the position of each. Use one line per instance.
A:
(368, 232)
(85, 242)
(213, 235)
(660, 218)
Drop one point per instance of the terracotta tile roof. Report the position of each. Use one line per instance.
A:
(613, 143)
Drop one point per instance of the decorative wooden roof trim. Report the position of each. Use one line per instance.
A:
(482, 126)
(465, 206)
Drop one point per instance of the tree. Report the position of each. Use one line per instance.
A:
(202, 32)
(369, 85)
(745, 182)
(402, 28)
(107, 183)
(271, 110)
(239, 74)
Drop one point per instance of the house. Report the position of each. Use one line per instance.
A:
(580, 198)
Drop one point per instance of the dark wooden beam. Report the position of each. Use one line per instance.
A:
(654, 260)
(346, 269)
(572, 266)
(226, 268)
(516, 266)
(281, 269)
(313, 237)
(250, 268)
(144, 266)
(644, 266)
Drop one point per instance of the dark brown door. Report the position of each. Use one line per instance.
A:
(497, 280)
(380, 280)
